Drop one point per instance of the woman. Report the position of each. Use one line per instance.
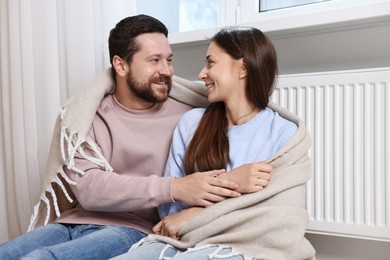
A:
(239, 127)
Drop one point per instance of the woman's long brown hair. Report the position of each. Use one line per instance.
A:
(209, 147)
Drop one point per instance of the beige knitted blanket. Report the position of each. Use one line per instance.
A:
(269, 224)
(70, 137)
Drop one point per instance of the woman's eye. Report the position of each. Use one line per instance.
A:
(210, 63)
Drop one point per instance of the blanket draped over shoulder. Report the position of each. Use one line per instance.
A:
(269, 224)
(70, 138)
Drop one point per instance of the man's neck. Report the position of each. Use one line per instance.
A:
(131, 102)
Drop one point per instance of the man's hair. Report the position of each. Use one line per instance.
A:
(122, 41)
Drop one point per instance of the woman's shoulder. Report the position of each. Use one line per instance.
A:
(190, 119)
(193, 114)
(281, 129)
(277, 120)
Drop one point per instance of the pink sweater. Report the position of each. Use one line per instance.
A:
(136, 144)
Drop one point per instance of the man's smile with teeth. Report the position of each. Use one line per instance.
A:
(161, 81)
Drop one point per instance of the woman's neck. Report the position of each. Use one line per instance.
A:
(239, 114)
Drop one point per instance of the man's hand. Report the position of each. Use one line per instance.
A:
(250, 177)
(171, 225)
(202, 189)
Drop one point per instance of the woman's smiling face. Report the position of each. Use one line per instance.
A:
(221, 74)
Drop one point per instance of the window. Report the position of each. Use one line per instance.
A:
(321, 13)
(267, 5)
(182, 15)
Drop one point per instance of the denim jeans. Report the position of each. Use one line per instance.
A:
(63, 241)
(162, 251)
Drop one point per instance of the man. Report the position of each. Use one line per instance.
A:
(104, 177)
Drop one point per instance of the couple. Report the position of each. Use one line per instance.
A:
(105, 167)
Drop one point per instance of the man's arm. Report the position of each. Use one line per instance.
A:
(100, 190)
(202, 189)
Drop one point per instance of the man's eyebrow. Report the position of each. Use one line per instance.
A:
(159, 55)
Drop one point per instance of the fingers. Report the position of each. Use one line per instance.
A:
(211, 197)
(226, 184)
(219, 189)
(163, 228)
(215, 173)
(262, 179)
(261, 182)
(264, 176)
(157, 228)
(217, 194)
(264, 167)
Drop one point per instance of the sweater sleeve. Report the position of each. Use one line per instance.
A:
(101, 190)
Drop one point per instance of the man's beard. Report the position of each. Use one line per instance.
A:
(146, 92)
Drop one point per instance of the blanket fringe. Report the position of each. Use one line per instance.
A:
(143, 241)
(101, 160)
(75, 148)
(34, 217)
(59, 182)
(72, 146)
(55, 201)
(66, 178)
(47, 202)
(72, 152)
(216, 254)
(161, 256)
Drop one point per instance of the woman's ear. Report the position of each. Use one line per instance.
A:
(119, 65)
(243, 70)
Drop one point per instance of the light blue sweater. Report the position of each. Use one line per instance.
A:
(255, 141)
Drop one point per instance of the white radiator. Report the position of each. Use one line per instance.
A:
(348, 116)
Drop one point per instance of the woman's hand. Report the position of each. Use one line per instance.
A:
(171, 225)
(201, 189)
(250, 177)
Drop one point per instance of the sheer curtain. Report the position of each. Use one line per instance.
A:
(48, 50)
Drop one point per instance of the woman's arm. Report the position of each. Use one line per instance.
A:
(250, 177)
(171, 225)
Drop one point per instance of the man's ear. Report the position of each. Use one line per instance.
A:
(119, 65)
(243, 70)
